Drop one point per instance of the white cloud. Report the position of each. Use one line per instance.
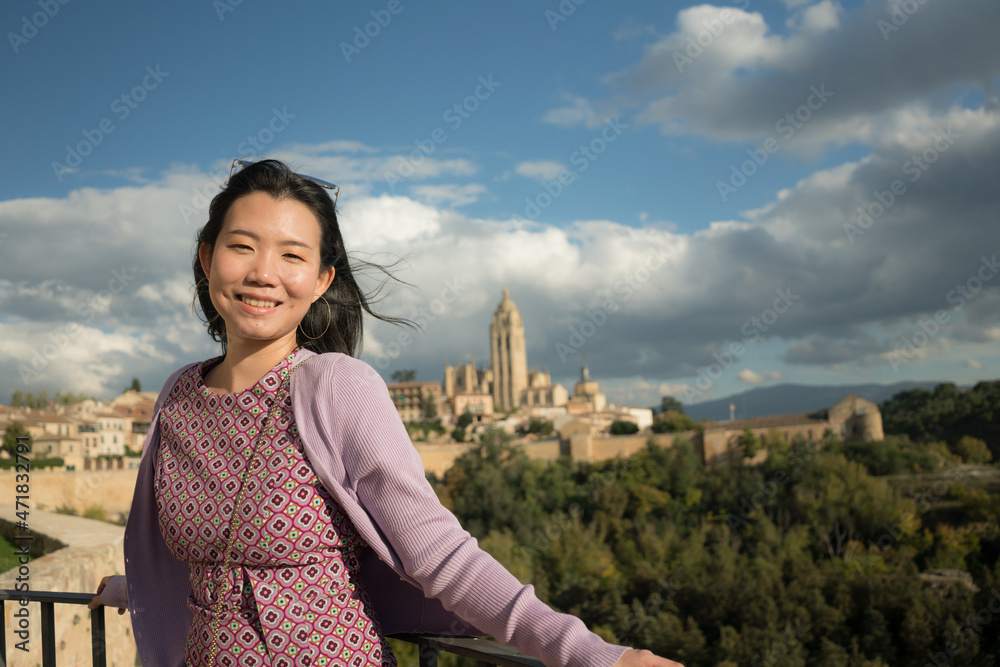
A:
(579, 111)
(452, 195)
(755, 379)
(723, 74)
(630, 29)
(822, 17)
(973, 364)
(675, 298)
(335, 146)
(540, 170)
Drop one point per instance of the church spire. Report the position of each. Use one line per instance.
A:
(508, 355)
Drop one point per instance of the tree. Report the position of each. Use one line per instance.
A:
(14, 431)
(135, 386)
(623, 427)
(16, 398)
(540, 427)
(464, 420)
(429, 408)
(671, 404)
(973, 450)
(750, 444)
(407, 375)
(672, 421)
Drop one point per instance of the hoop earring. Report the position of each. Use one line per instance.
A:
(329, 316)
(194, 307)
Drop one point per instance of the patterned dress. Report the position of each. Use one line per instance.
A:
(293, 596)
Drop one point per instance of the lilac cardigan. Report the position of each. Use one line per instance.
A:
(424, 572)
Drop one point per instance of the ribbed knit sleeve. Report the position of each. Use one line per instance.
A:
(435, 551)
(115, 593)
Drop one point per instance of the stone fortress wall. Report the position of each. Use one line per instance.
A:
(80, 490)
(90, 550)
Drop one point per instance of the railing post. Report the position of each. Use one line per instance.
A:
(3, 633)
(428, 655)
(97, 641)
(48, 634)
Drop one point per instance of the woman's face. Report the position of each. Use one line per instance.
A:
(264, 271)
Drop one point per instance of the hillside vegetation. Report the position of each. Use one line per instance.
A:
(810, 558)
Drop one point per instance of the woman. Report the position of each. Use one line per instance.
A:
(338, 539)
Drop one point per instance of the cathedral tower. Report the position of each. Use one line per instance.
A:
(508, 355)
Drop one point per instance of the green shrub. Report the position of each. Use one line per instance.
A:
(973, 450)
(623, 427)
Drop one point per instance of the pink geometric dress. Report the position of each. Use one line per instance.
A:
(293, 595)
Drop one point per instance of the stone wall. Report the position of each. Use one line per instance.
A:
(624, 446)
(438, 458)
(93, 549)
(721, 444)
(110, 490)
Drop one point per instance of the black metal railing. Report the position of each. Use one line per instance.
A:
(485, 652)
(49, 600)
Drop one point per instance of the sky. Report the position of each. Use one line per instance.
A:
(694, 199)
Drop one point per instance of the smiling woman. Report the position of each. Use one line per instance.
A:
(283, 517)
(264, 274)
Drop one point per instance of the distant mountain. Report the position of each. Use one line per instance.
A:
(792, 398)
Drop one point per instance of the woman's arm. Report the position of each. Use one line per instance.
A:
(111, 592)
(437, 552)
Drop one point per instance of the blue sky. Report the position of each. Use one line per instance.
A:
(645, 178)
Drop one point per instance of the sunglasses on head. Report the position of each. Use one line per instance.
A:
(318, 181)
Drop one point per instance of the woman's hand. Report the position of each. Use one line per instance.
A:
(643, 658)
(96, 601)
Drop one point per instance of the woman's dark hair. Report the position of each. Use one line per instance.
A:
(346, 299)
